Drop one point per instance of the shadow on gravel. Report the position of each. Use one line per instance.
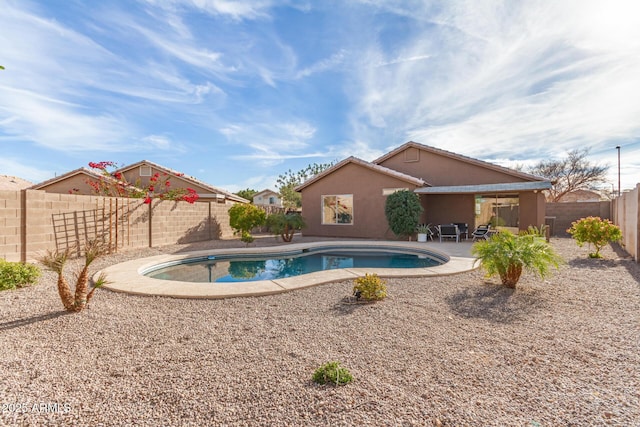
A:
(624, 259)
(495, 303)
(5, 326)
(346, 307)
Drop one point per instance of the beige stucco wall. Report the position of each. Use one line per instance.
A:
(366, 185)
(447, 209)
(440, 170)
(68, 185)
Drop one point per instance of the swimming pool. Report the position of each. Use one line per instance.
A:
(272, 266)
(129, 276)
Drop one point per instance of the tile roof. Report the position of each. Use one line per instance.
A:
(8, 182)
(202, 184)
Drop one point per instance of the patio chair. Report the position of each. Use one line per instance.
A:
(449, 231)
(481, 232)
(464, 229)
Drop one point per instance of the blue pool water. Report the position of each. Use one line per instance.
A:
(243, 268)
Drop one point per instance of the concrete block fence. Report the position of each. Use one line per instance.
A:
(561, 215)
(33, 221)
(626, 215)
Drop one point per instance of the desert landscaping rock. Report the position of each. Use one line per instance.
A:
(443, 351)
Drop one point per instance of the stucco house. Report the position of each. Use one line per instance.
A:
(138, 173)
(348, 199)
(267, 197)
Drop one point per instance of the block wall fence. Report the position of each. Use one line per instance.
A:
(561, 215)
(33, 221)
(627, 216)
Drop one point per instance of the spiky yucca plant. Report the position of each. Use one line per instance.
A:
(507, 255)
(56, 262)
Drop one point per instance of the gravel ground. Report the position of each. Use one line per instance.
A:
(459, 350)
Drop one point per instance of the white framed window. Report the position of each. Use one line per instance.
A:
(337, 209)
(145, 170)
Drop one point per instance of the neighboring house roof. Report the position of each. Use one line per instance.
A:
(381, 169)
(582, 196)
(267, 192)
(8, 182)
(94, 175)
(486, 188)
(214, 190)
(459, 157)
(90, 173)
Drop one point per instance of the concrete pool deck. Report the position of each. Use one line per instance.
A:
(127, 276)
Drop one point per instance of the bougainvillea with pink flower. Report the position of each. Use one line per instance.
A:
(115, 184)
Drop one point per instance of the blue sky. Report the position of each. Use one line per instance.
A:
(237, 92)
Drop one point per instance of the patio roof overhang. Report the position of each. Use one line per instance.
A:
(486, 188)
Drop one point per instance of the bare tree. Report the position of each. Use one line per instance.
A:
(289, 180)
(573, 173)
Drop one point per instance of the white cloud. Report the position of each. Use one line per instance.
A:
(517, 80)
(323, 65)
(271, 143)
(14, 167)
(236, 9)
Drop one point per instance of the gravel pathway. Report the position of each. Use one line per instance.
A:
(446, 351)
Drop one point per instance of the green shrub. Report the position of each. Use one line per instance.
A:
(285, 225)
(243, 218)
(596, 231)
(332, 373)
(403, 210)
(535, 231)
(370, 287)
(506, 255)
(17, 274)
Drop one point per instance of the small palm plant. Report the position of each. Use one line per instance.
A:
(56, 262)
(508, 255)
(285, 225)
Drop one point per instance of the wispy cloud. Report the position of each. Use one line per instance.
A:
(236, 9)
(273, 142)
(514, 79)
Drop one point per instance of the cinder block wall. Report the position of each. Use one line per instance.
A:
(565, 213)
(33, 221)
(10, 225)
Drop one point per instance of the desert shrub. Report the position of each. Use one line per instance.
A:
(332, 373)
(507, 255)
(403, 210)
(370, 287)
(243, 217)
(17, 274)
(596, 231)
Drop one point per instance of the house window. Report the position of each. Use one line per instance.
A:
(502, 211)
(337, 209)
(145, 170)
(272, 200)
